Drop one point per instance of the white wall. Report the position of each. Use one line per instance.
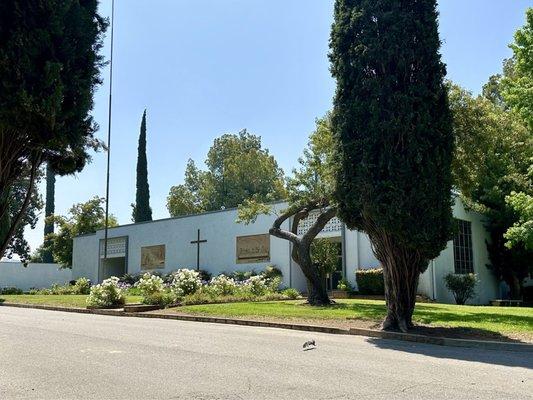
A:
(216, 256)
(14, 274)
(85, 257)
(219, 255)
(487, 288)
(359, 254)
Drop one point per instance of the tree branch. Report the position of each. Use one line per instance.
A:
(299, 212)
(319, 224)
(14, 224)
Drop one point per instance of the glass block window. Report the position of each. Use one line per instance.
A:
(462, 248)
(116, 247)
(334, 224)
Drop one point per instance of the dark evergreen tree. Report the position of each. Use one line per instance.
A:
(141, 208)
(49, 68)
(394, 138)
(49, 209)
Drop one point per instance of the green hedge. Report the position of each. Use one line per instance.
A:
(370, 281)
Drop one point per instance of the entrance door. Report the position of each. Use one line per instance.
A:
(113, 267)
(115, 264)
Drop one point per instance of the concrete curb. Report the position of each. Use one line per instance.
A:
(407, 337)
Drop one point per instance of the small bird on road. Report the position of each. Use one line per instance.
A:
(309, 343)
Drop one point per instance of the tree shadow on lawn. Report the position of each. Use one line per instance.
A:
(431, 315)
(506, 358)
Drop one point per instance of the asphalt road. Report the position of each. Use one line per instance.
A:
(55, 355)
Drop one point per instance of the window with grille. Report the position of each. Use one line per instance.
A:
(462, 248)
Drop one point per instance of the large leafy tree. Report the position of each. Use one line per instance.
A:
(49, 67)
(309, 193)
(141, 209)
(393, 130)
(518, 87)
(491, 166)
(83, 218)
(238, 168)
(521, 233)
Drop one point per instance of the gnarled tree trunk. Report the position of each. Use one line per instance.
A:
(301, 252)
(401, 270)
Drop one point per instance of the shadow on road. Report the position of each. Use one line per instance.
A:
(507, 358)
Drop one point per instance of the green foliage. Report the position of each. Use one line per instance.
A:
(462, 286)
(314, 179)
(344, 285)
(106, 294)
(84, 218)
(238, 168)
(325, 254)
(521, 233)
(492, 160)
(11, 290)
(205, 296)
(49, 68)
(291, 293)
(518, 88)
(272, 271)
(81, 286)
(205, 276)
(312, 182)
(223, 285)
(392, 124)
(152, 289)
(141, 209)
(18, 244)
(370, 281)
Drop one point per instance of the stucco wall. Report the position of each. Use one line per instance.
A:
(14, 274)
(85, 257)
(219, 254)
(216, 256)
(432, 281)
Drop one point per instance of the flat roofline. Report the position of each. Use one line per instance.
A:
(178, 217)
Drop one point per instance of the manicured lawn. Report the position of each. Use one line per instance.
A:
(497, 320)
(70, 300)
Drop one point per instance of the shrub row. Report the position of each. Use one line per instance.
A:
(188, 287)
(370, 281)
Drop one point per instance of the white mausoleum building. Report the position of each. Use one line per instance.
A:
(225, 246)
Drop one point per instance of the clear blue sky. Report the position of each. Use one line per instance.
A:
(207, 67)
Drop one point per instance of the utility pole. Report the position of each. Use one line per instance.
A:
(109, 131)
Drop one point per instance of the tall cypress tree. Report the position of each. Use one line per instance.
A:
(48, 211)
(141, 209)
(394, 138)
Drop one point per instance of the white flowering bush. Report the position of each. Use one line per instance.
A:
(223, 285)
(152, 289)
(106, 294)
(256, 285)
(186, 281)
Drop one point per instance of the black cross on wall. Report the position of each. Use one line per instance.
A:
(197, 242)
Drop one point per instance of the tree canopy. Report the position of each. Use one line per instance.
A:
(49, 67)
(83, 218)
(490, 167)
(309, 190)
(518, 87)
(238, 168)
(394, 139)
(493, 158)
